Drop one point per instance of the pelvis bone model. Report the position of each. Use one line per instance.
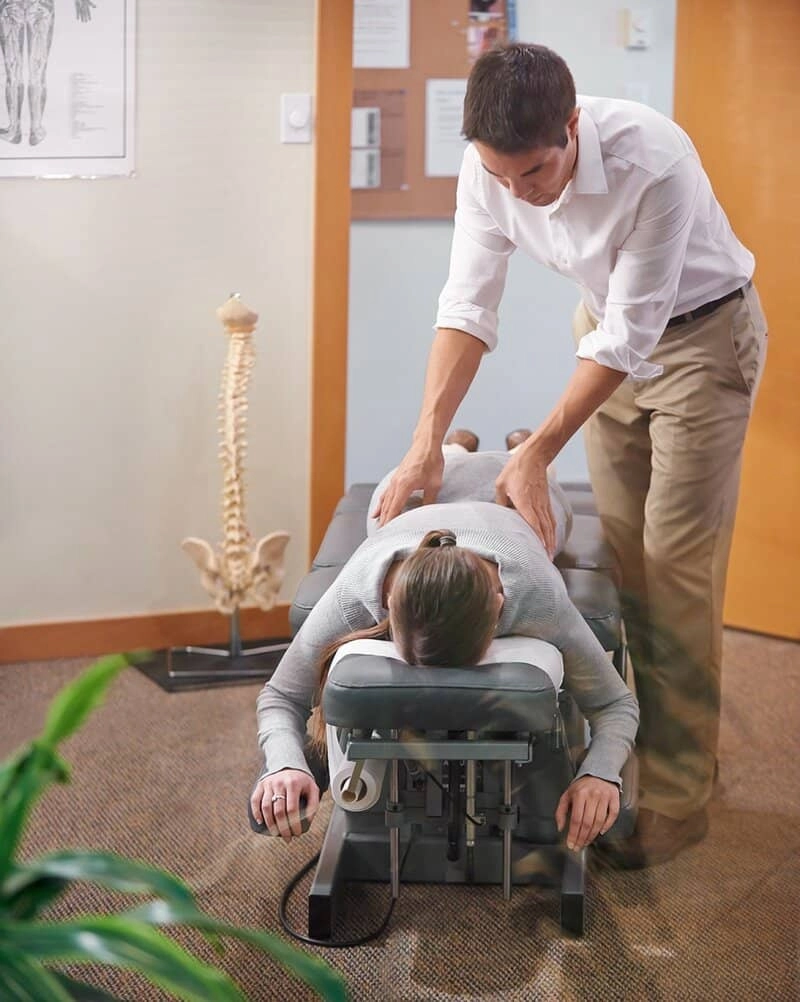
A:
(239, 573)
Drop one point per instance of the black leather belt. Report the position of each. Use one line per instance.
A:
(707, 308)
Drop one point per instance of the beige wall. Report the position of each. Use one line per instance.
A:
(109, 347)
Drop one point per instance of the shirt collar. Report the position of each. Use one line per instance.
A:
(590, 177)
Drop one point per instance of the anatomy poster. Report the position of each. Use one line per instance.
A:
(66, 107)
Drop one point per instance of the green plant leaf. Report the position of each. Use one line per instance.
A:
(8, 770)
(120, 942)
(25, 980)
(34, 769)
(31, 886)
(75, 701)
(30, 898)
(17, 764)
(129, 876)
(37, 765)
(308, 968)
(79, 991)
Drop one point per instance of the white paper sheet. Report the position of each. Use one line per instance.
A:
(444, 112)
(85, 126)
(381, 34)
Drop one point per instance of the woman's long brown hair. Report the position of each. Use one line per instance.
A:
(316, 725)
(443, 613)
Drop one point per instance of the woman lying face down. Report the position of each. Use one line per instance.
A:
(442, 596)
(444, 603)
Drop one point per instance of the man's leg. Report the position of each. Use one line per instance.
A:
(12, 36)
(700, 408)
(695, 416)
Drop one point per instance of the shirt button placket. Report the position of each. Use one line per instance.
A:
(560, 242)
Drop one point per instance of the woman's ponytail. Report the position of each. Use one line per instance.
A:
(438, 538)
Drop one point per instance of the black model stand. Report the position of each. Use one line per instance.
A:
(180, 668)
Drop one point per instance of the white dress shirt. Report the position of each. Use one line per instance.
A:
(637, 227)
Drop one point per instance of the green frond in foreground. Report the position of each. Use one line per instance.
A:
(131, 939)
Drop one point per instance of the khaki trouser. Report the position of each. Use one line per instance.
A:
(664, 459)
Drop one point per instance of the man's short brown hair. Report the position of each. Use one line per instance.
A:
(519, 97)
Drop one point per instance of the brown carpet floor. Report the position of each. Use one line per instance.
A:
(165, 778)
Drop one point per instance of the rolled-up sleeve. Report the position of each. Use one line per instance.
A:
(478, 264)
(643, 285)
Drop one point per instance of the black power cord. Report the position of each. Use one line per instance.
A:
(307, 867)
(327, 942)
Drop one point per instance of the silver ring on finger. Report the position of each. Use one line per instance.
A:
(278, 796)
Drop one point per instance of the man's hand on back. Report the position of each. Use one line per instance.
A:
(421, 469)
(523, 485)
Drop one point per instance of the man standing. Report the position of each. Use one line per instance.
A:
(671, 342)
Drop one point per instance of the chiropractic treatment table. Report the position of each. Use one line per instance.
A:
(452, 775)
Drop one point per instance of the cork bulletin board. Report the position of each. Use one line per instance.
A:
(445, 38)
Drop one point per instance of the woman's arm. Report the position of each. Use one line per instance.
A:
(592, 800)
(284, 704)
(602, 697)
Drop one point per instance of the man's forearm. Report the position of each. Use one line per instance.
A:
(452, 364)
(590, 386)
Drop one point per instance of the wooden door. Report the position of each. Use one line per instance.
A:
(331, 263)
(737, 94)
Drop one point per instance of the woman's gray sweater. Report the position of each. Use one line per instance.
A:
(536, 605)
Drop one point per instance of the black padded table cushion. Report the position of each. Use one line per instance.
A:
(587, 549)
(380, 692)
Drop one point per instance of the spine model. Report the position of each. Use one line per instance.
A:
(239, 573)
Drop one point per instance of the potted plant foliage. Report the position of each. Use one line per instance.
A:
(30, 942)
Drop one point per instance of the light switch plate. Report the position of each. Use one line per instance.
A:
(296, 118)
(638, 28)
